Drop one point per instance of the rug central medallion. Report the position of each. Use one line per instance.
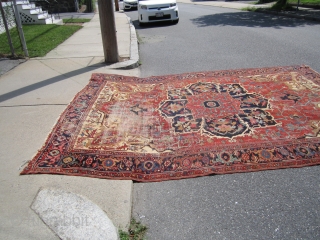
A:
(128, 117)
(216, 110)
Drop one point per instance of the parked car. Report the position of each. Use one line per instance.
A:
(130, 4)
(157, 10)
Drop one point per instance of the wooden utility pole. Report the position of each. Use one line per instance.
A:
(116, 2)
(108, 31)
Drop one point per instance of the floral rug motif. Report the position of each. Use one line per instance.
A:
(187, 125)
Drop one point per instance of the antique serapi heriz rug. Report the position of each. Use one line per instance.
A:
(187, 125)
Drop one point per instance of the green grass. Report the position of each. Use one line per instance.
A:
(310, 2)
(136, 231)
(250, 9)
(288, 7)
(40, 39)
(94, 5)
(302, 2)
(264, 1)
(76, 20)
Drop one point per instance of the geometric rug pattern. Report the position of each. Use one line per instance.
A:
(187, 125)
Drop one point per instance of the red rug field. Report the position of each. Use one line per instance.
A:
(187, 125)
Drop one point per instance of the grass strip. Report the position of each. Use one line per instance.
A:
(40, 39)
(76, 20)
(307, 2)
(289, 6)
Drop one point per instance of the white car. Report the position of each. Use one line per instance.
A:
(157, 10)
(129, 4)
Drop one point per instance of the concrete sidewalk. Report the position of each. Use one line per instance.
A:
(32, 96)
(87, 44)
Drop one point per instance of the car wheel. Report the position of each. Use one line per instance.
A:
(175, 21)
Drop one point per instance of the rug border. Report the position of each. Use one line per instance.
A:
(173, 177)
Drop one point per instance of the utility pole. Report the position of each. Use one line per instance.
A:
(108, 31)
(116, 2)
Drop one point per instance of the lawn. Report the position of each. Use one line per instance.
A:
(40, 39)
(307, 2)
(76, 20)
(310, 2)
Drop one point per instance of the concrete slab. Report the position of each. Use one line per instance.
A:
(76, 50)
(72, 216)
(55, 81)
(25, 128)
(32, 97)
(124, 49)
(97, 60)
(91, 35)
(8, 64)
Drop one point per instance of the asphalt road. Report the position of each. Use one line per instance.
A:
(210, 38)
(279, 204)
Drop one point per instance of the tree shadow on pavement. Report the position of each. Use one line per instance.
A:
(49, 81)
(250, 19)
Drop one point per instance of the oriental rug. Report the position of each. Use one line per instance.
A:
(187, 125)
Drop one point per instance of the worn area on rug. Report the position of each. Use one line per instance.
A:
(187, 125)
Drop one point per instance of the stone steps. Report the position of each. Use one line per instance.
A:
(31, 14)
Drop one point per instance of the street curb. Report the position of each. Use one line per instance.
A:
(134, 51)
(288, 15)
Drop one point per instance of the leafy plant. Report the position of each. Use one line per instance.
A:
(82, 2)
(136, 231)
(281, 5)
(94, 5)
(250, 9)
